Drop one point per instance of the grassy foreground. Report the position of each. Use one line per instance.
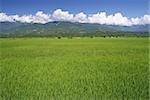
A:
(74, 69)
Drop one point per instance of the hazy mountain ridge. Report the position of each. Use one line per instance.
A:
(59, 27)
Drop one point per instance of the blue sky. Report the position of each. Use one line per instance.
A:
(130, 8)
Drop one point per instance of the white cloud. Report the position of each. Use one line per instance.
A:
(99, 18)
(24, 18)
(4, 18)
(60, 15)
(142, 20)
(81, 17)
(103, 18)
(40, 17)
(118, 19)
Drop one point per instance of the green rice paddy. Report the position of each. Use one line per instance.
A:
(74, 69)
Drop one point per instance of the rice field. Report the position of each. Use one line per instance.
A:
(74, 69)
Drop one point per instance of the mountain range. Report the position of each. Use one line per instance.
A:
(66, 29)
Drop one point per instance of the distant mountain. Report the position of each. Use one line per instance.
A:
(10, 25)
(134, 28)
(64, 28)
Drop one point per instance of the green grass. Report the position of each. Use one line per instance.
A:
(74, 69)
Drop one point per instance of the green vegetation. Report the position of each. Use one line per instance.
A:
(74, 69)
(69, 29)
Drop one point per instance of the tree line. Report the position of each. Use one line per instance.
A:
(79, 34)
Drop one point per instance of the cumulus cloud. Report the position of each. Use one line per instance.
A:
(60, 15)
(103, 18)
(23, 19)
(39, 17)
(4, 18)
(81, 17)
(141, 20)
